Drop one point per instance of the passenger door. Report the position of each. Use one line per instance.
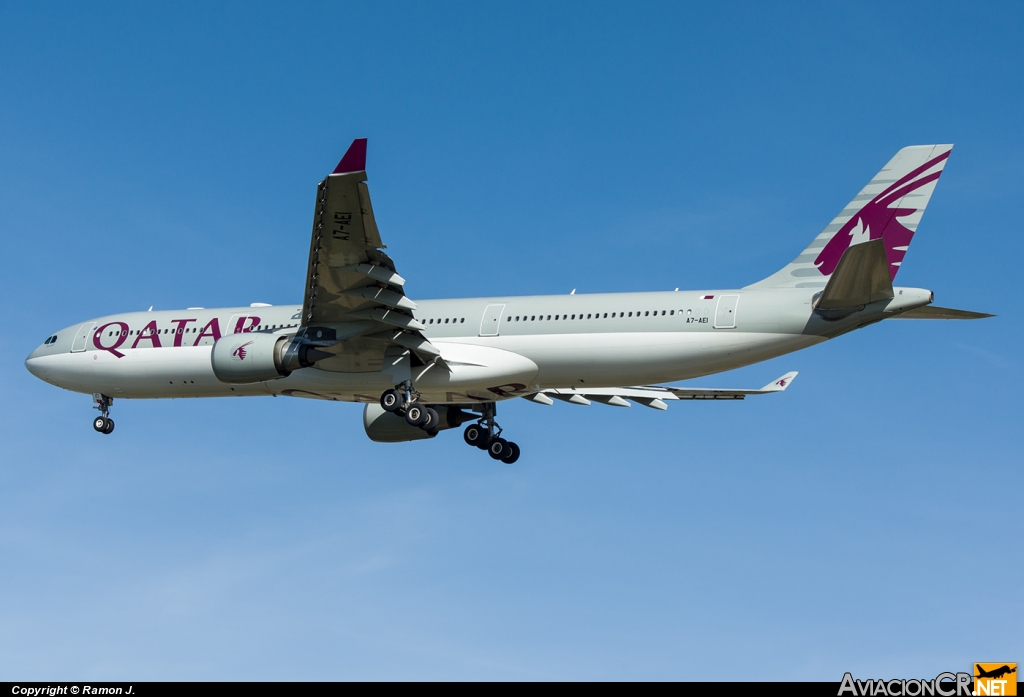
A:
(725, 316)
(82, 337)
(491, 319)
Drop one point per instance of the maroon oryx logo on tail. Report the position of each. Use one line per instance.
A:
(876, 220)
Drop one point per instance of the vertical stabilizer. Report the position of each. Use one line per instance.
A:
(889, 207)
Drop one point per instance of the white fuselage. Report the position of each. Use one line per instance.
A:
(495, 348)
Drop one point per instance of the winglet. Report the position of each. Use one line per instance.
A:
(780, 384)
(354, 159)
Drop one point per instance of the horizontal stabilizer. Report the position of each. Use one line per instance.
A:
(933, 312)
(861, 277)
(653, 396)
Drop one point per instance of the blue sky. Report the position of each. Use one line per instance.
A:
(867, 520)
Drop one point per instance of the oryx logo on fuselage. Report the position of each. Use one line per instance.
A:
(240, 352)
(876, 220)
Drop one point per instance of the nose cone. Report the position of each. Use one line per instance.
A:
(37, 359)
(34, 363)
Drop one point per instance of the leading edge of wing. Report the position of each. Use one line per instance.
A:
(653, 396)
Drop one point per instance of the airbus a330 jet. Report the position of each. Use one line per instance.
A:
(430, 365)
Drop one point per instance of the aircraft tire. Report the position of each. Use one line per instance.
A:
(432, 420)
(415, 415)
(109, 428)
(99, 423)
(391, 400)
(475, 435)
(498, 448)
(512, 455)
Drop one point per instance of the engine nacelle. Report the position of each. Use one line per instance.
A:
(388, 427)
(255, 357)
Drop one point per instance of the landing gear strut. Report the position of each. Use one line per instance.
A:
(103, 423)
(403, 399)
(486, 435)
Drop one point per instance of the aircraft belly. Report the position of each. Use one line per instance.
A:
(616, 359)
(481, 368)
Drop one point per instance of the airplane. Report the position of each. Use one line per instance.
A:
(995, 673)
(432, 365)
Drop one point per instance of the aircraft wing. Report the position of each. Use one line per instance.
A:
(654, 396)
(350, 281)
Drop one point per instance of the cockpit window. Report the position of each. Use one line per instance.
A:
(50, 340)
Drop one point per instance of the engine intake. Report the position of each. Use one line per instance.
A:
(253, 357)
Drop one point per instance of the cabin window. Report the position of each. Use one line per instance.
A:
(517, 318)
(606, 315)
(672, 312)
(533, 317)
(462, 321)
(549, 316)
(630, 314)
(588, 316)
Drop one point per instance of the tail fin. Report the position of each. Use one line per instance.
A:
(889, 207)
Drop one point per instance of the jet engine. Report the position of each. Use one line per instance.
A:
(254, 357)
(390, 427)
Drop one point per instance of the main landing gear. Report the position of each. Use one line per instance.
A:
(404, 400)
(486, 435)
(103, 423)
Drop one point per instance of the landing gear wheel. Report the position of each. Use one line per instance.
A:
(475, 434)
(511, 455)
(102, 423)
(498, 448)
(432, 420)
(391, 400)
(415, 415)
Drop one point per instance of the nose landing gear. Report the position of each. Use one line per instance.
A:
(103, 423)
(486, 435)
